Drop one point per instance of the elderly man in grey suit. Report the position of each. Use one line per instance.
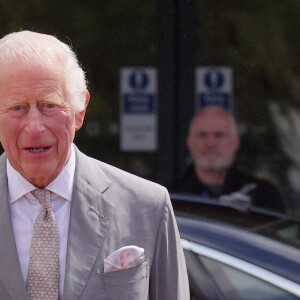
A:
(65, 216)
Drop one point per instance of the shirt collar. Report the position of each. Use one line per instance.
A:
(62, 185)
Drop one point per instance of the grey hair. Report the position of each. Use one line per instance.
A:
(28, 46)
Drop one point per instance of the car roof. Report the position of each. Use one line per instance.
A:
(252, 236)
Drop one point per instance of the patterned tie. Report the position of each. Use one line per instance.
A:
(43, 271)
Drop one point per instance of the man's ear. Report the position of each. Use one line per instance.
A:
(79, 117)
(188, 142)
(237, 142)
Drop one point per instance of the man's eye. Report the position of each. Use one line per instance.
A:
(17, 110)
(219, 135)
(50, 105)
(201, 135)
(17, 107)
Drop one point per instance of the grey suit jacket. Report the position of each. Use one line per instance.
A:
(110, 209)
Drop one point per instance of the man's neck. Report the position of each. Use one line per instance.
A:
(210, 177)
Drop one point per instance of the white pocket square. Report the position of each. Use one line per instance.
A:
(124, 258)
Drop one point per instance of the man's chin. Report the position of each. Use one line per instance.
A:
(37, 175)
(215, 166)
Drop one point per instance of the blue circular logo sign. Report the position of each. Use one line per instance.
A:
(138, 80)
(214, 79)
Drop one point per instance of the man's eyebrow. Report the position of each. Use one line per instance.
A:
(201, 132)
(13, 101)
(53, 98)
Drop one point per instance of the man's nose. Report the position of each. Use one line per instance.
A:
(211, 140)
(34, 122)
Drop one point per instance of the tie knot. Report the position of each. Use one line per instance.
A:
(43, 196)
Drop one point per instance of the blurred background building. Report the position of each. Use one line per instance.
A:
(256, 39)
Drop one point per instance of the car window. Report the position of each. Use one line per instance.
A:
(286, 231)
(248, 287)
(202, 283)
(195, 207)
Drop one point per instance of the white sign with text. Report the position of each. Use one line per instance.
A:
(213, 86)
(138, 109)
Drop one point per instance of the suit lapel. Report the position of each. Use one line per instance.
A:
(89, 222)
(10, 270)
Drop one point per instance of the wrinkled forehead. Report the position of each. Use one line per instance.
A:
(31, 81)
(213, 122)
(18, 68)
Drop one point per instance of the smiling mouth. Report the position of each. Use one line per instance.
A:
(38, 150)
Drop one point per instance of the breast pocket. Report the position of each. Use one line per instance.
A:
(128, 284)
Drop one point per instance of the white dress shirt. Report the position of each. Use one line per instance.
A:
(24, 209)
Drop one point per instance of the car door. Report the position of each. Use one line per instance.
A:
(217, 275)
